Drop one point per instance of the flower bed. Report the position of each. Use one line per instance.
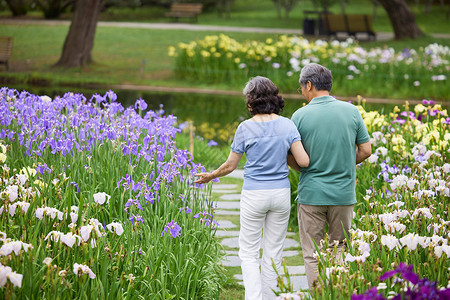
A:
(98, 202)
(411, 73)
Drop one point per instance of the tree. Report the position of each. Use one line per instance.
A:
(288, 5)
(19, 7)
(80, 39)
(53, 8)
(375, 6)
(224, 6)
(278, 8)
(402, 19)
(324, 5)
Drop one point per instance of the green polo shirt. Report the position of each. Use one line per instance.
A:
(330, 130)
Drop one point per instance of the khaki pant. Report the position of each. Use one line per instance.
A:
(312, 220)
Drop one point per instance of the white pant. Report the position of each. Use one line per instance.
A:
(269, 209)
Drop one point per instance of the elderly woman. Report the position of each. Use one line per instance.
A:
(265, 203)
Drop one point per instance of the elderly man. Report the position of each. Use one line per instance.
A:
(336, 139)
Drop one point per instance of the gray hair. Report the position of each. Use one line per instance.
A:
(319, 76)
(257, 83)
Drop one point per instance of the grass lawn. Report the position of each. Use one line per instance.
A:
(122, 56)
(262, 13)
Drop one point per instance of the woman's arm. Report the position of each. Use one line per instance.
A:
(300, 155)
(225, 169)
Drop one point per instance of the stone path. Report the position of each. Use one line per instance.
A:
(228, 232)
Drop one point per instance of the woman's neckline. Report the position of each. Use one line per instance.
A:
(260, 118)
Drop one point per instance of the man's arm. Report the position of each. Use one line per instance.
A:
(363, 151)
(292, 163)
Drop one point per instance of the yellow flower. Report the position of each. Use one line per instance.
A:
(237, 60)
(172, 51)
(28, 171)
(443, 145)
(398, 140)
(406, 105)
(396, 109)
(2, 157)
(39, 183)
(435, 134)
(419, 108)
(205, 53)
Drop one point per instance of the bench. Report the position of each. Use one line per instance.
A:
(6, 43)
(185, 10)
(349, 24)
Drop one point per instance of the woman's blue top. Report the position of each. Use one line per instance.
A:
(266, 145)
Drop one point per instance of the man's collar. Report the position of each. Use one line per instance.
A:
(322, 99)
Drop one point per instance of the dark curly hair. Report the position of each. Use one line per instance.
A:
(262, 96)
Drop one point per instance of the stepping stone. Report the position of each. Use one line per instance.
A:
(290, 243)
(290, 234)
(289, 253)
(227, 212)
(231, 261)
(296, 270)
(231, 252)
(234, 243)
(220, 186)
(299, 282)
(225, 224)
(227, 205)
(231, 242)
(222, 233)
(231, 197)
(224, 191)
(238, 277)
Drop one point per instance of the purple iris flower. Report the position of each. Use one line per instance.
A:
(405, 271)
(188, 210)
(136, 218)
(140, 104)
(212, 143)
(41, 169)
(427, 102)
(111, 95)
(173, 228)
(371, 294)
(75, 185)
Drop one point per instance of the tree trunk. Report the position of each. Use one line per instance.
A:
(228, 8)
(375, 6)
(427, 7)
(54, 8)
(18, 7)
(402, 19)
(80, 39)
(278, 8)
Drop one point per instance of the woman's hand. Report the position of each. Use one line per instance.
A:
(204, 178)
(225, 169)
